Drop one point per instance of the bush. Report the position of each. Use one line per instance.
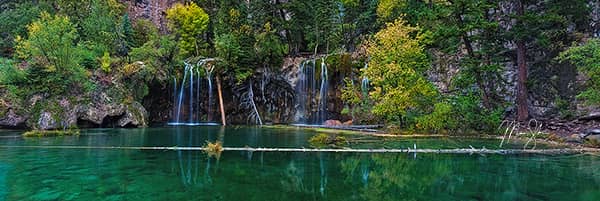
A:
(105, 62)
(469, 114)
(10, 74)
(439, 119)
(587, 59)
(53, 56)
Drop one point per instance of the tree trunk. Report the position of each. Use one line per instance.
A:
(221, 101)
(471, 52)
(522, 111)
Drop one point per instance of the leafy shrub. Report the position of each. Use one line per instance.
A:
(440, 118)
(470, 115)
(587, 59)
(105, 62)
(54, 58)
(10, 74)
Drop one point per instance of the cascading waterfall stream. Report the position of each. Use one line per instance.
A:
(322, 112)
(365, 81)
(191, 103)
(175, 96)
(301, 93)
(209, 71)
(180, 100)
(311, 99)
(189, 94)
(198, 96)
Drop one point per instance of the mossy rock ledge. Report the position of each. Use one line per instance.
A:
(10, 118)
(9, 114)
(95, 114)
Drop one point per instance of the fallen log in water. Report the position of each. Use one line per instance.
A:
(408, 150)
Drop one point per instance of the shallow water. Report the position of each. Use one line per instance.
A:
(100, 174)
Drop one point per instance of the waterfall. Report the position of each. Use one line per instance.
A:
(210, 92)
(191, 95)
(188, 95)
(311, 99)
(174, 97)
(322, 112)
(198, 96)
(180, 99)
(301, 93)
(365, 81)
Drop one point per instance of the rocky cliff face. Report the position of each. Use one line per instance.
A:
(153, 10)
(47, 113)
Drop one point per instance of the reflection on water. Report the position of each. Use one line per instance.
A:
(190, 162)
(67, 174)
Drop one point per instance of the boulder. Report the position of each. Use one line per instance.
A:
(576, 138)
(46, 121)
(11, 119)
(593, 140)
(96, 113)
(135, 115)
(333, 122)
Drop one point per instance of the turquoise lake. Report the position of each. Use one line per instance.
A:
(38, 173)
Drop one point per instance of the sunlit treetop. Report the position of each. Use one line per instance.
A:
(189, 22)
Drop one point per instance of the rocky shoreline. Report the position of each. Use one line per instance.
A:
(61, 113)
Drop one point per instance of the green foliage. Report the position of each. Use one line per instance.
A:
(468, 114)
(50, 43)
(396, 70)
(99, 25)
(105, 62)
(388, 10)
(54, 57)
(269, 48)
(323, 140)
(587, 59)
(564, 109)
(143, 31)
(158, 54)
(14, 18)
(440, 118)
(154, 62)
(228, 48)
(11, 74)
(359, 105)
(189, 23)
(126, 36)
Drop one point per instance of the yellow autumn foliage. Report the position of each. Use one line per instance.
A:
(189, 22)
(396, 70)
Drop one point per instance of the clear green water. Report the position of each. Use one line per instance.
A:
(99, 174)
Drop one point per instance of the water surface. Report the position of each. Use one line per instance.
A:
(100, 174)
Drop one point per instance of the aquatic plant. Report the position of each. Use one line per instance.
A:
(49, 133)
(323, 140)
(214, 149)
